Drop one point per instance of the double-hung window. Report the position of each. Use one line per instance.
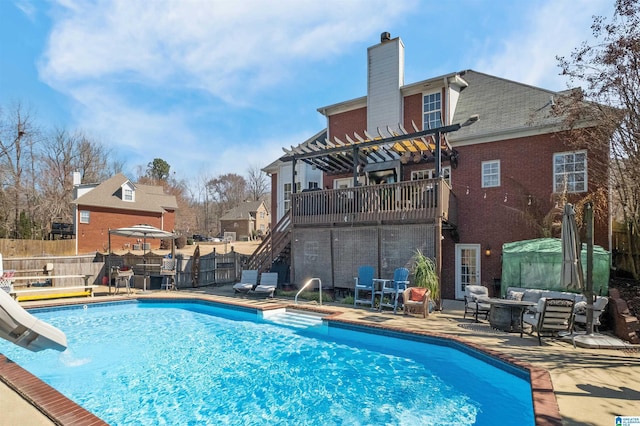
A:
(432, 111)
(490, 173)
(84, 216)
(570, 171)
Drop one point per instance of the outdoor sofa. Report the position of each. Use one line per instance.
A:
(580, 317)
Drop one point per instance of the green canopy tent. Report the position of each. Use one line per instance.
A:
(538, 264)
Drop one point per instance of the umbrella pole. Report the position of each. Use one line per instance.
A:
(109, 262)
(588, 215)
(144, 262)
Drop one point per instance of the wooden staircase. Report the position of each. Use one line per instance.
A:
(275, 247)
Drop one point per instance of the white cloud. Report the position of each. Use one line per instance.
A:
(218, 46)
(129, 65)
(554, 28)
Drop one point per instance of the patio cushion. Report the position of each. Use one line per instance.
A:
(580, 308)
(515, 295)
(551, 294)
(417, 294)
(532, 295)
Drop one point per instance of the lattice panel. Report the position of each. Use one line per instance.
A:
(398, 244)
(311, 251)
(352, 248)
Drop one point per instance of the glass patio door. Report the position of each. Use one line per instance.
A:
(467, 267)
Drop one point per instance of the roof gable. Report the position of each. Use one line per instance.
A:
(109, 194)
(245, 211)
(506, 108)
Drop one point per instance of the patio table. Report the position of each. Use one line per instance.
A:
(505, 314)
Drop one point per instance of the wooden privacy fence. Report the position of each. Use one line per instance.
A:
(623, 248)
(206, 270)
(24, 248)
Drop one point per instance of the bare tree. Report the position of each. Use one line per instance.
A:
(610, 70)
(63, 153)
(18, 132)
(257, 183)
(227, 191)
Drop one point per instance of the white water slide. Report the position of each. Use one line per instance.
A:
(20, 327)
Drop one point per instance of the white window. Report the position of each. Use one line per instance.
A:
(127, 194)
(261, 215)
(342, 183)
(432, 111)
(430, 174)
(490, 173)
(84, 216)
(313, 185)
(570, 171)
(287, 195)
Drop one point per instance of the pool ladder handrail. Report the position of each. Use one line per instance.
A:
(305, 286)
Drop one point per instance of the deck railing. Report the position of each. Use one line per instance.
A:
(417, 200)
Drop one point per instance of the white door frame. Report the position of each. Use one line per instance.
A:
(467, 257)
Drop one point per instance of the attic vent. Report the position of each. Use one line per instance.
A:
(385, 37)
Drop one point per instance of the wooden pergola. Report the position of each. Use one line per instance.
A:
(340, 157)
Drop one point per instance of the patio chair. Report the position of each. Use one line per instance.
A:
(394, 288)
(473, 304)
(416, 299)
(168, 272)
(364, 284)
(123, 279)
(580, 312)
(268, 284)
(248, 280)
(553, 317)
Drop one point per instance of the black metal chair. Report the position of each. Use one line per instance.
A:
(553, 317)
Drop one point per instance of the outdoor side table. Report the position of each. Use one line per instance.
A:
(378, 285)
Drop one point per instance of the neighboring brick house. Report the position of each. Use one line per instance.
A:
(457, 200)
(118, 203)
(246, 218)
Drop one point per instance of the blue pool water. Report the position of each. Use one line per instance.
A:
(152, 363)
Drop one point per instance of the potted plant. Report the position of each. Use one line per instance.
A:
(424, 275)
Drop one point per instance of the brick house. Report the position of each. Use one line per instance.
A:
(118, 203)
(408, 167)
(246, 218)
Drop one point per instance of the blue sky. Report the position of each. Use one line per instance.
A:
(215, 87)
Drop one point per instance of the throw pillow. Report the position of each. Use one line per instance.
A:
(580, 308)
(515, 295)
(417, 294)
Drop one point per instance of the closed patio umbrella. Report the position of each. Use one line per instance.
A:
(571, 275)
(144, 232)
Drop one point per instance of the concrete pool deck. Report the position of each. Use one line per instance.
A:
(591, 385)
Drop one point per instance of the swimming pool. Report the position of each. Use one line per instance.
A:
(153, 362)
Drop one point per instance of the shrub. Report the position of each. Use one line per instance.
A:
(181, 241)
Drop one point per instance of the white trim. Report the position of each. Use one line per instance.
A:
(585, 172)
(475, 275)
(483, 175)
(87, 219)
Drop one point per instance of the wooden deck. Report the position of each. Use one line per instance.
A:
(411, 201)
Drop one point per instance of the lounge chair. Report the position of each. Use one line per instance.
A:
(364, 284)
(248, 281)
(552, 317)
(268, 284)
(473, 304)
(416, 299)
